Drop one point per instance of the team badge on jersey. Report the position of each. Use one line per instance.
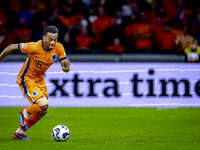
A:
(53, 57)
(34, 93)
(24, 45)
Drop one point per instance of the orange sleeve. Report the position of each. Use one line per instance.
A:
(61, 53)
(26, 47)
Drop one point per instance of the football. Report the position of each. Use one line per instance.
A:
(60, 133)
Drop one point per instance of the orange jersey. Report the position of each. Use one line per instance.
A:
(38, 60)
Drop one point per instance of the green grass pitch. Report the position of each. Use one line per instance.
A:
(106, 129)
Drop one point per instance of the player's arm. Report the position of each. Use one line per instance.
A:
(8, 49)
(65, 65)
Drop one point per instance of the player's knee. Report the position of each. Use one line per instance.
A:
(42, 102)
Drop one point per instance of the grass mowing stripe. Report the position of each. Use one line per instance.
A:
(106, 129)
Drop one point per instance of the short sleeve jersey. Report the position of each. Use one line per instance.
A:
(38, 60)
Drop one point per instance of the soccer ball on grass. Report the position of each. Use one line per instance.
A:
(60, 133)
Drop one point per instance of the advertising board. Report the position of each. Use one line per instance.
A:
(110, 85)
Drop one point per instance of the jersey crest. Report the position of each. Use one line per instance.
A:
(34, 93)
(53, 57)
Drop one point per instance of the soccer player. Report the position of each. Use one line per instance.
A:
(40, 56)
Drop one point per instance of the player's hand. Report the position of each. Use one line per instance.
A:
(66, 65)
(66, 69)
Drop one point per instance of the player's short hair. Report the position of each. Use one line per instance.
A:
(51, 29)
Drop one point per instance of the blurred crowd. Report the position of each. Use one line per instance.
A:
(106, 26)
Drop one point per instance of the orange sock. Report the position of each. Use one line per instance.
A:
(33, 109)
(33, 119)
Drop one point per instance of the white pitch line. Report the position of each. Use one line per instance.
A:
(70, 83)
(164, 104)
(113, 71)
(101, 95)
(9, 85)
(9, 96)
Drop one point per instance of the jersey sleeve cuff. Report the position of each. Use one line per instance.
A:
(19, 47)
(63, 58)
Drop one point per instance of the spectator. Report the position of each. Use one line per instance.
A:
(65, 8)
(177, 26)
(69, 36)
(110, 33)
(119, 17)
(101, 23)
(38, 12)
(142, 33)
(67, 15)
(135, 8)
(154, 8)
(38, 34)
(142, 19)
(14, 6)
(129, 30)
(69, 21)
(183, 41)
(6, 38)
(183, 14)
(22, 34)
(166, 40)
(54, 19)
(193, 51)
(34, 7)
(69, 44)
(157, 30)
(170, 7)
(84, 40)
(91, 15)
(116, 48)
(161, 13)
(24, 12)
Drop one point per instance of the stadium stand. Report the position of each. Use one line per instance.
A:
(131, 29)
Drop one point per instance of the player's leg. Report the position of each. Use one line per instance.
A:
(38, 97)
(34, 118)
(35, 111)
(30, 116)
